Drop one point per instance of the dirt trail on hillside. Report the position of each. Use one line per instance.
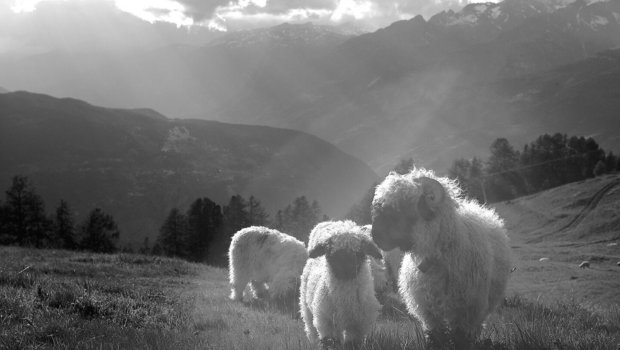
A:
(592, 203)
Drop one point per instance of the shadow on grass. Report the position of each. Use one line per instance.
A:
(286, 305)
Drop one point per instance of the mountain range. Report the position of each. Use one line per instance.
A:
(431, 89)
(137, 164)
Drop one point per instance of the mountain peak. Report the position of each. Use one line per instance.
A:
(283, 35)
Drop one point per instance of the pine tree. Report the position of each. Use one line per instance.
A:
(504, 182)
(25, 221)
(63, 227)
(99, 232)
(256, 213)
(600, 168)
(145, 248)
(611, 162)
(4, 237)
(235, 216)
(279, 220)
(173, 235)
(204, 219)
(299, 218)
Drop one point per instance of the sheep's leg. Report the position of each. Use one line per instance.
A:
(281, 285)
(327, 333)
(311, 332)
(238, 284)
(259, 290)
(434, 327)
(466, 322)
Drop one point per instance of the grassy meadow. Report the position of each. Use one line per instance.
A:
(67, 300)
(54, 299)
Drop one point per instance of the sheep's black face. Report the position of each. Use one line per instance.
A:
(345, 264)
(391, 228)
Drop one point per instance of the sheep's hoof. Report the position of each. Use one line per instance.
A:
(235, 296)
(437, 339)
(329, 343)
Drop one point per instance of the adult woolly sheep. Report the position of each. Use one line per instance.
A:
(260, 255)
(457, 260)
(337, 297)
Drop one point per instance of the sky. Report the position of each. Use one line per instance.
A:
(230, 15)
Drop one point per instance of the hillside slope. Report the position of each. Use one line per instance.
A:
(138, 164)
(568, 224)
(434, 90)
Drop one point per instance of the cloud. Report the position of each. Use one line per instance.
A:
(372, 13)
(200, 10)
(243, 14)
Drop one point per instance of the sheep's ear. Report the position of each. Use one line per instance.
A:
(372, 250)
(317, 250)
(433, 195)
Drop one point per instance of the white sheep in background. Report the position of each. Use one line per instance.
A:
(457, 260)
(337, 297)
(378, 269)
(265, 256)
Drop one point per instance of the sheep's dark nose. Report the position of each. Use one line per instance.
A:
(379, 236)
(345, 264)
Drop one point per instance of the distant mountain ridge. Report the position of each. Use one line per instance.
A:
(283, 35)
(138, 164)
(416, 88)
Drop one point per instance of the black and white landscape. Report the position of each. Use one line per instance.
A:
(285, 114)
(433, 89)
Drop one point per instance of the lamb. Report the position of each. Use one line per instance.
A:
(457, 260)
(265, 256)
(337, 297)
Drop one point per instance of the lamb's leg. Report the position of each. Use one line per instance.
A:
(259, 290)
(311, 332)
(434, 327)
(238, 284)
(466, 321)
(327, 333)
(353, 337)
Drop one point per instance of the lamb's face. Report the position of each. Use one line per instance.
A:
(400, 203)
(345, 264)
(345, 254)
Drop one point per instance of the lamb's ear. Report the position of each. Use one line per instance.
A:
(372, 250)
(433, 195)
(318, 250)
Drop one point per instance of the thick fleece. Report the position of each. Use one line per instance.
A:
(337, 296)
(268, 259)
(457, 259)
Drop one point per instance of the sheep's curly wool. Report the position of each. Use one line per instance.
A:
(343, 310)
(379, 270)
(457, 260)
(265, 256)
